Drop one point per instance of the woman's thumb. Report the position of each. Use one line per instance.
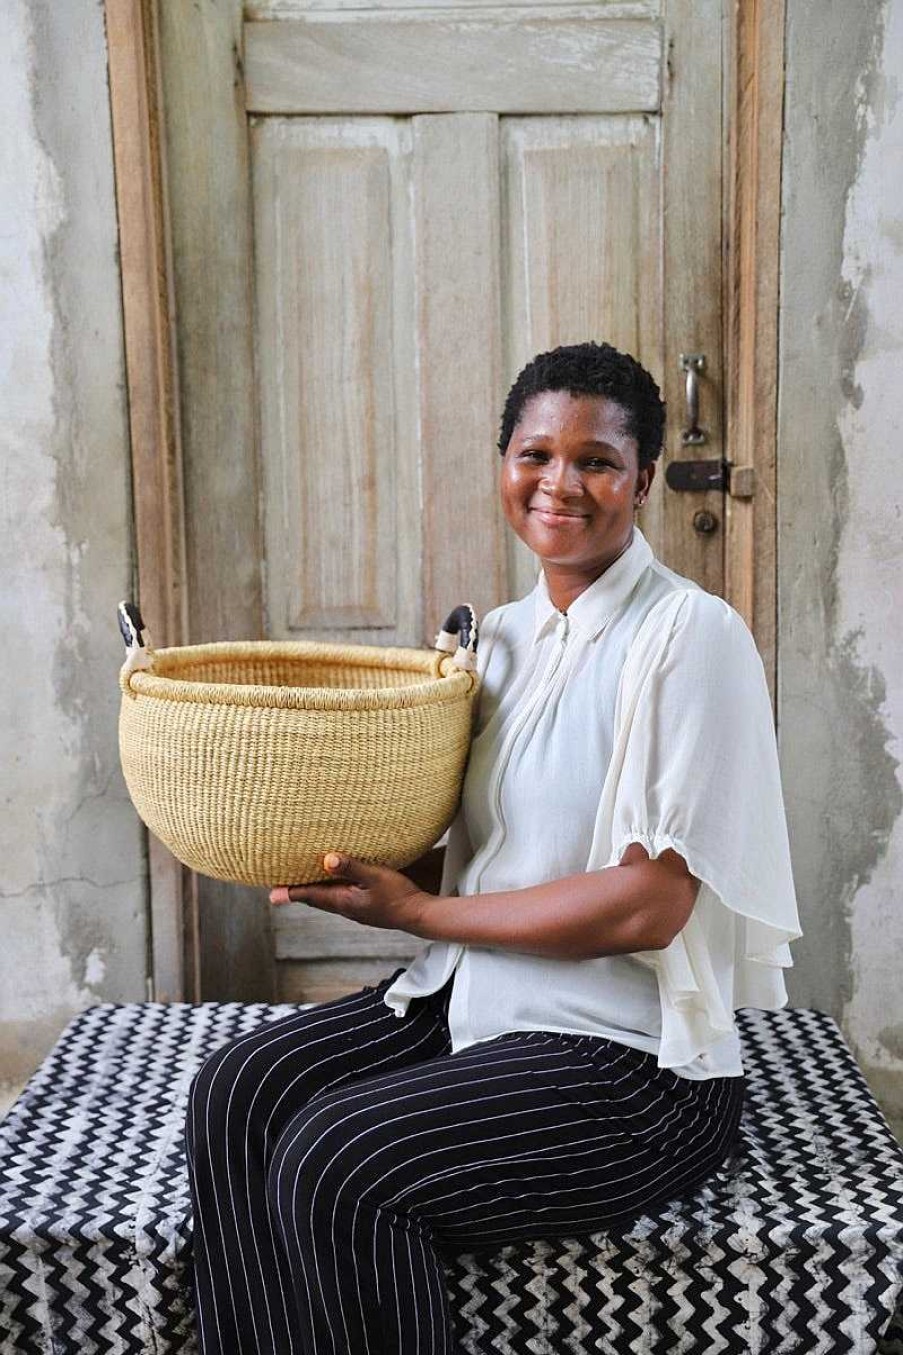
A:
(337, 863)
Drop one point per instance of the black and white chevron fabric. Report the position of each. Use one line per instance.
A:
(796, 1244)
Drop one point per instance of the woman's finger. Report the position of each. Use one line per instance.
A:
(338, 864)
(350, 868)
(304, 893)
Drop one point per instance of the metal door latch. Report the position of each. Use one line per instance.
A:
(698, 475)
(712, 473)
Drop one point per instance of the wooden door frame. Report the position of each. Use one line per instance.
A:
(753, 146)
(753, 126)
(154, 431)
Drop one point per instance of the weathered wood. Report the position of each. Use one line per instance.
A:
(211, 224)
(337, 378)
(324, 980)
(754, 178)
(302, 932)
(578, 61)
(692, 227)
(207, 154)
(456, 205)
(147, 308)
(567, 182)
(596, 179)
(293, 9)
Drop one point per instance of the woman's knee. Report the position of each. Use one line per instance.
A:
(323, 1156)
(206, 1092)
(224, 1085)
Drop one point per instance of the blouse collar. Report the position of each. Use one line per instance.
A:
(591, 612)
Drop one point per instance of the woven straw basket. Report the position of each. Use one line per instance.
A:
(251, 760)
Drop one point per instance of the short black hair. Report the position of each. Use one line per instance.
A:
(593, 369)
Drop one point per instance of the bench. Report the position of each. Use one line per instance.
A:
(795, 1245)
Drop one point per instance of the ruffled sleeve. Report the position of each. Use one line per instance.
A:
(695, 768)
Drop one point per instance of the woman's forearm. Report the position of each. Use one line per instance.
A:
(619, 910)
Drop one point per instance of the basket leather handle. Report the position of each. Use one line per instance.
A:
(459, 636)
(139, 652)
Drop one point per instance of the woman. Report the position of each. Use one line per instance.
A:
(563, 1054)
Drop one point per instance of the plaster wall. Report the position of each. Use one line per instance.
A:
(840, 507)
(72, 908)
(72, 869)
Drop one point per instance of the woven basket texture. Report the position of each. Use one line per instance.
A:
(251, 760)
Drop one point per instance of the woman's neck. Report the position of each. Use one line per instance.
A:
(565, 585)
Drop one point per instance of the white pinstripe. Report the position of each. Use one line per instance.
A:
(397, 1295)
(412, 1270)
(251, 1038)
(428, 1073)
(517, 1229)
(434, 1278)
(281, 1151)
(301, 1022)
(199, 1225)
(304, 1272)
(412, 1264)
(416, 1046)
(532, 1154)
(559, 1190)
(306, 1022)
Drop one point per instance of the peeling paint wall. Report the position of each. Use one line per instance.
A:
(72, 869)
(840, 508)
(72, 908)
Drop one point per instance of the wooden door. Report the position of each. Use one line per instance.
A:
(377, 216)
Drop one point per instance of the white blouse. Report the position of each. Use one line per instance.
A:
(642, 715)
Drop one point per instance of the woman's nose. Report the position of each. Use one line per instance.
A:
(561, 478)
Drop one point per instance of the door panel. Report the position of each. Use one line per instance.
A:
(582, 247)
(456, 208)
(573, 61)
(333, 261)
(435, 196)
(692, 230)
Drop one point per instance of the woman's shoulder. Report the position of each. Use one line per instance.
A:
(674, 594)
(682, 614)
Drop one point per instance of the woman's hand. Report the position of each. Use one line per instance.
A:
(375, 895)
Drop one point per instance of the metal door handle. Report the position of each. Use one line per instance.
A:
(693, 364)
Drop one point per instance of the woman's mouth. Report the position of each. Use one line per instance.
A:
(557, 519)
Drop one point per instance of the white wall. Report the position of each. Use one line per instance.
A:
(72, 909)
(841, 519)
(72, 914)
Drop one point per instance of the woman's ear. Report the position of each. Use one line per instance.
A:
(644, 480)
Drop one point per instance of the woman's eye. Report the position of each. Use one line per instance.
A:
(536, 454)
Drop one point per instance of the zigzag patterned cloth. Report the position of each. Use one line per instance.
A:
(795, 1245)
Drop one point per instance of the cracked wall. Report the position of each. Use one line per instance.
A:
(72, 909)
(839, 535)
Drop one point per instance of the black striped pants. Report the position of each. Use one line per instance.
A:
(335, 1154)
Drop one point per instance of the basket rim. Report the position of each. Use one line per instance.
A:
(442, 682)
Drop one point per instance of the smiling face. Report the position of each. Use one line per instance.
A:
(569, 485)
